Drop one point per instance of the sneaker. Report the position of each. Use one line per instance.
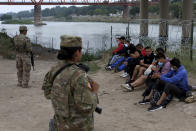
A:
(128, 87)
(144, 102)
(155, 108)
(108, 68)
(122, 74)
(125, 74)
(190, 99)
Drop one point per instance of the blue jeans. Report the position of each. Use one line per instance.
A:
(114, 59)
(117, 62)
(123, 66)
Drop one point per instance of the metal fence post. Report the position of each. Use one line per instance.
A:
(36, 40)
(191, 42)
(52, 43)
(111, 37)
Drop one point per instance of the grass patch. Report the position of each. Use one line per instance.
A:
(18, 22)
(93, 66)
(91, 56)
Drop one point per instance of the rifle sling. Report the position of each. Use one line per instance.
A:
(60, 70)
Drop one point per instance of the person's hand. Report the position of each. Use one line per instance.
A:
(141, 62)
(153, 63)
(126, 63)
(156, 75)
(95, 87)
(153, 77)
(154, 68)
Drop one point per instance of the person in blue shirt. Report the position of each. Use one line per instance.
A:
(175, 84)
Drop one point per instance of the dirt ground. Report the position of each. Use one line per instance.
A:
(28, 110)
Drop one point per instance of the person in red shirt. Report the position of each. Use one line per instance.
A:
(120, 45)
(141, 49)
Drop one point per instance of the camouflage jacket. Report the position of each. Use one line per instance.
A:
(72, 98)
(22, 44)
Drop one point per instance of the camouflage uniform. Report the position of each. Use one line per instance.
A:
(72, 97)
(23, 63)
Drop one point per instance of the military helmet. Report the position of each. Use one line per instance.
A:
(22, 28)
(70, 41)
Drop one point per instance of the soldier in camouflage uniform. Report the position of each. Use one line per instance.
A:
(72, 92)
(23, 63)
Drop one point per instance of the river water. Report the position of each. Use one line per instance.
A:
(95, 35)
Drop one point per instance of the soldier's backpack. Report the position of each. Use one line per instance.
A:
(48, 83)
(20, 43)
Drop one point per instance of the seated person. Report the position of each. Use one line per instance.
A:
(140, 48)
(121, 41)
(129, 66)
(144, 64)
(124, 53)
(159, 51)
(162, 67)
(174, 83)
(115, 54)
(131, 63)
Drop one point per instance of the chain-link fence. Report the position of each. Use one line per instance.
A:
(101, 36)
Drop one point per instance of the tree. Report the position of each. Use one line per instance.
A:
(6, 17)
(134, 10)
(176, 9)
(153, 9)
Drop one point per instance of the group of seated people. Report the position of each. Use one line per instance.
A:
(163, 77)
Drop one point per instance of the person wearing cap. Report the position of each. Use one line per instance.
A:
(23, 63)
(72, 92)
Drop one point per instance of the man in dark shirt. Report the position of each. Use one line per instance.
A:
(144, 64)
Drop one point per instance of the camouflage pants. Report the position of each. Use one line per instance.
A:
(64, 126)
(23, 65)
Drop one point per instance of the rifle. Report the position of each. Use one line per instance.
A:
(32, 60)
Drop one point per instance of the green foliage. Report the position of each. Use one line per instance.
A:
(134, 10)
(6, 17)
(90, 56)
(6, 46)
(72, 10)
(93, 67)
(17, 22)
(176, 9)
(153, 9)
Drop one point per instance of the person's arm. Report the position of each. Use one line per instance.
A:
(122, 51)
(85, 98)
(47, 85)
(169, 74)
(174, 79)
(143, 64)
(117, 49)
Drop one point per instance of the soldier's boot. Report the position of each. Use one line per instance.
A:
(25, 86)
(52, 126)
(19, 84)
